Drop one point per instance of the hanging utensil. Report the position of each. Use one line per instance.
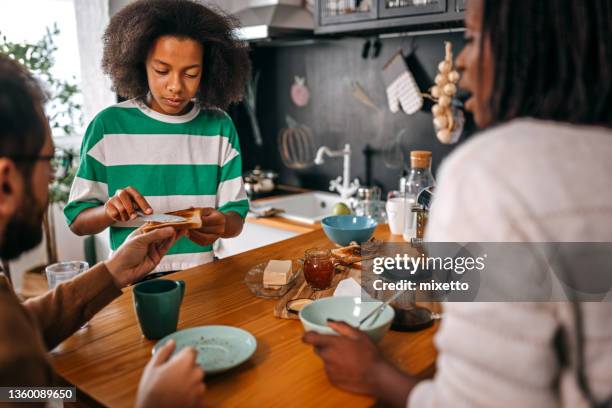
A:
(250, 100)
(393, 156)
(360, 94)
(295, 145)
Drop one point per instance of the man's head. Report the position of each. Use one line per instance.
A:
(25, 152)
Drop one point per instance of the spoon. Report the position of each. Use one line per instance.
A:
(379, 309)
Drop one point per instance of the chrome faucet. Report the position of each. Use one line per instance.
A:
(341, 184)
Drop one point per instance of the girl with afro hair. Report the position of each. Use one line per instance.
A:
(169, 145)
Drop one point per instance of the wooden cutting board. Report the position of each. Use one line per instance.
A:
(301, 290)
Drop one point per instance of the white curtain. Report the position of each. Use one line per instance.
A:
(92, 18)
(229, 6)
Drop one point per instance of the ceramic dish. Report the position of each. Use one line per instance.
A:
(219, 348)
(254, 281)
(350, 310)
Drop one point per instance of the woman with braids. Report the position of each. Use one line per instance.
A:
(540, 77)
(170, 145)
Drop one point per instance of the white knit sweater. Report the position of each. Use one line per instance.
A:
(525, 181)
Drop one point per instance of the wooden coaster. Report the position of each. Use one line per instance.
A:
(301, 290)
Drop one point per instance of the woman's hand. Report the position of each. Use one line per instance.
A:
(123, 205)
(350, 359)
(172, 382)
(213, 227)
(140, 254)
(354, 363)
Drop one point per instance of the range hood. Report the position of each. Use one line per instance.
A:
(272, 19)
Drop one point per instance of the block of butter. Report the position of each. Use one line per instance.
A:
(277, 273)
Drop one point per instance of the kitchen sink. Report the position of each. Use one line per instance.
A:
(308, 208)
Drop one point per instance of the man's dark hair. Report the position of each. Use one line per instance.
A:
(552, 59)
(133, 30)
(22, 121)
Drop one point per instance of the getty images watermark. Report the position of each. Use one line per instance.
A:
(422, 263)
(490, 272)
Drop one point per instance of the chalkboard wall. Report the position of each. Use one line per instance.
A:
(334, 115)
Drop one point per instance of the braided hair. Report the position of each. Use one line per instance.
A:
(552, 60)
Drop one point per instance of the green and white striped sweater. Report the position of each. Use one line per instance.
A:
(175, 162)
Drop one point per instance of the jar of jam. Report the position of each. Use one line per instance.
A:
(318, 268)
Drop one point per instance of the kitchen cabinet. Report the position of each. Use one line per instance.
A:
(346, 11)
(383, 16)
(404, 8)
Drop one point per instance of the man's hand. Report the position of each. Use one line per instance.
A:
(172, 382)
(140, 254)
(353, 363)
(123, 205)
(213, 227)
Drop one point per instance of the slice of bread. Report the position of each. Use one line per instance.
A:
(347, 255)
(193, 219)
(354, 253)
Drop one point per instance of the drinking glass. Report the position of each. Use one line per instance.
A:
(64, 271)
(395, 211)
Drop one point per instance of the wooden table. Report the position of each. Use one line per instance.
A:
(106, 360)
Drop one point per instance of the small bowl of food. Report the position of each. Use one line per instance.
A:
(350, 310)
(274, 278)
(344, 229)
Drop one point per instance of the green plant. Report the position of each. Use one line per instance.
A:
(65, 164)
(63, 108)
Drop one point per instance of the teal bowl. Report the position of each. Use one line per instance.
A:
(350, 310)
(343, 229)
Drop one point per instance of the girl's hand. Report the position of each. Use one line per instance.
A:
(123, 205)
(213, 226)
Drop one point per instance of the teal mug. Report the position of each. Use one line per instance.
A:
(157, 303)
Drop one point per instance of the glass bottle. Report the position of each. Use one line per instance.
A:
(419, 178)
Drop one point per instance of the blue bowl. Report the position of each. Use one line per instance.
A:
(343, 229)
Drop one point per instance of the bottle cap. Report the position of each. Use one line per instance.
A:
(420, 159)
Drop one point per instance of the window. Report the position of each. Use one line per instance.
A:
(27, 21)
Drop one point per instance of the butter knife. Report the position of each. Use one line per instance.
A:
(160, 217)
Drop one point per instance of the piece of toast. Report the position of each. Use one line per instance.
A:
(193, 219)
(354, 254)
(347, 255)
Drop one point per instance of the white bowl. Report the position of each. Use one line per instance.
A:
(350, 310)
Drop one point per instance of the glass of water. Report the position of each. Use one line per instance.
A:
(64, 271)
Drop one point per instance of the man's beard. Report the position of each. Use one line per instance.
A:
(24, 230)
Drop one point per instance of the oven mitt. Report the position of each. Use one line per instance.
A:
(402, 89)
